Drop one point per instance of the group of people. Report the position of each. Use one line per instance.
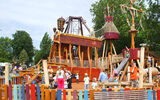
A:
(63, 78)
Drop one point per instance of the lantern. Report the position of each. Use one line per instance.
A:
(60, 23)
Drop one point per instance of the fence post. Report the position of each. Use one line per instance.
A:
(45, 72)
(7, 74)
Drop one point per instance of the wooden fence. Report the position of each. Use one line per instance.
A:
(41, 92)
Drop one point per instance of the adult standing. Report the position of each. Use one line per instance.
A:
(134, 78)
(69, 78)
(60, 78)
(103, 75)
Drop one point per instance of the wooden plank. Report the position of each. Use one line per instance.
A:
(82, 57)
(42, 92)
(7, 74)
(53, 94)
(74, 94)
(6, 92)
(47, 94)
(38, 92)
(91, 94)
(46, 77)
(80, 95)
(64, 94)
(33, 96)
(69, 95)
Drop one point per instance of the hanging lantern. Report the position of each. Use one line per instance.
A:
(60, 23)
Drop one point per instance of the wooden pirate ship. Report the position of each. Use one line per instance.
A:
(73, 50)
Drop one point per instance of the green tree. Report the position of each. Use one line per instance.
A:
(6, 51)
(37, 56)
(45, 46)
(23, 57)
(22, 40)
(153, 25)
(98, 10)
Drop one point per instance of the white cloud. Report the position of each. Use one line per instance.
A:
(39, 16)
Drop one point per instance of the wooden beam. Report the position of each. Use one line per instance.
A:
(82, 58)
(104, 46)
(96, 57)
(114, 50)
(106, 49)
(111, 47)
(66, 56)
(46, 77)
(6, 73)
(70, 55)
(59, 50)
(141, 66)
(89, 60)
(79, 54)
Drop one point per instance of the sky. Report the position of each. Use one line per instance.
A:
(39, 16)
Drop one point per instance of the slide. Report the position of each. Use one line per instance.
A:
(120, 67)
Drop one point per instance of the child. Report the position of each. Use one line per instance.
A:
(77, 78)
(86, 81)
(94, 83)
(115, 79)
(65, 85)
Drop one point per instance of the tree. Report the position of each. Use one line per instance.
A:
(45, 46)
(22, 40)
(23, 57)
(98, 10)
(153, 25)
(6, 51)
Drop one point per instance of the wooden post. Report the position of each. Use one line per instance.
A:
(108, 62)
(111, 47)
(79, 53)
(70, 55)
(96, 57)
(89, 60)
(114, 50)
(106, 49)
(45, 72)
(128, 74)
(152, 62)
(104, 46)
(82, 58)
(150, 74)
(66, 56)
(59, 50)
(7, 74)
(141, 67)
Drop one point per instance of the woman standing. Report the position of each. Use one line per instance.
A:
(60, 78)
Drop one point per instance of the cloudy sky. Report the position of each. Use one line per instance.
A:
(39, 16)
